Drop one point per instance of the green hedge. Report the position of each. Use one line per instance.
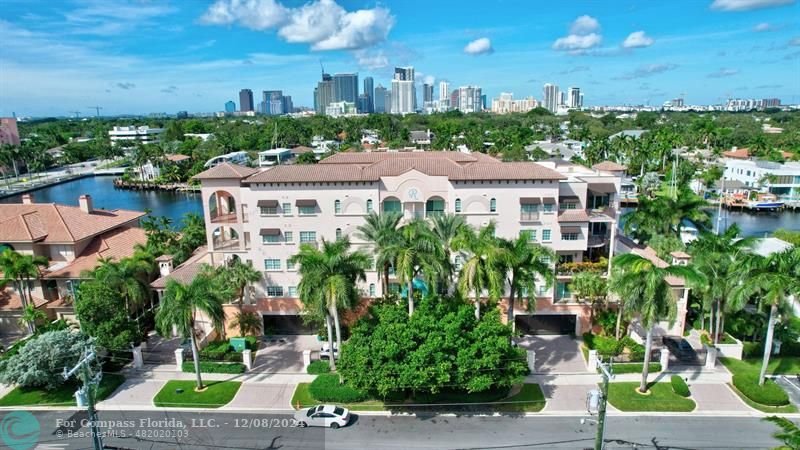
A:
(214, 367)
(609, 346)
(770, 394)
(317, 367)
(679, 386)
(635, 367)
(326, 388)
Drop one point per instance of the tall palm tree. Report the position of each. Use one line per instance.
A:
(446, 227)
(591, 287)
(645, 285)
(328, 280)
(21, 270)
(485, 265)
(179, 307)
(417, 251)
(773, 280)
(31, 315)
(716, 255)
(247, 322)
(129, 276)
(240, 275)
(526, 261)
(382, 231)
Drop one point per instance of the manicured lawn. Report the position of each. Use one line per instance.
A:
(764, 408)
(529, 399)
(624, 397)
(778, 365)
(217, 393)
(63, 396)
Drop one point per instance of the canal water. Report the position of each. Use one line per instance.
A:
(175, 204)
(104, 196)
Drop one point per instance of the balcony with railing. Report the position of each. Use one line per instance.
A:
(602, 214)
(567, 269)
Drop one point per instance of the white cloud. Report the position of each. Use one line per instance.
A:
(763, 27)
(747, 5)
(480, 46)
(584, 25)
(429, 79)
(372, 60)
(723, 72)
(647, 71)
(637, 39)
(323, 23)
(577, 42)
(582, 36)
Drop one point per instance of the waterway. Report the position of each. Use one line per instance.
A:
(175, 204)
(104, 196)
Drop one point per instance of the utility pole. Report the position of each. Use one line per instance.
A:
(85, 396)
(719, 207)
(599, 399)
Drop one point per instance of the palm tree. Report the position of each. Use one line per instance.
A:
(591, 287)
(773, 280)
(130, 277)
(445, 227)
(649, 294)
(716, 255)
(21, 270)
(382, 231)
(417, 251)
(247, 322)
(526, 261)
(328, 280)
(31, 315)
(789, 433)
(485, 264)
(179, 307)
(241, 275)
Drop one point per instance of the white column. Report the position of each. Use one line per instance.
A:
(138, 362)
(247, 359)
(611, 245)
(531, 359)
(306, 359)
(711, 357)
(591, 365)
(179, 359)
(664, 359)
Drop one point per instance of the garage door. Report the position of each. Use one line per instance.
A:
(291, 324)
(546, 323)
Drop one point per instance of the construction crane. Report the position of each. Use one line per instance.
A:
(77, 114)
(96, 108)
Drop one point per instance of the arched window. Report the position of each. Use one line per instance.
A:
(372, 289)
(369, 206)
(337, 207)
(338, 233)
(493, 205)
(458, 205)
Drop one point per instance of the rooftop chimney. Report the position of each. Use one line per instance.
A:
(164, 265)
(85, 203)
(27, 199)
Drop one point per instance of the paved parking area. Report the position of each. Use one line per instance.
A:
(133, 392)
(555, 354)
(263, 396)
(716, 397)
(566, 397)
(284, 354)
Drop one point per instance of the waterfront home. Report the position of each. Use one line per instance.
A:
(129, 136)
(261, 217)
(73, 239)
(779, 179)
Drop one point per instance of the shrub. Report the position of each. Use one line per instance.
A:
(251, 342)
(634, 367)
(317, 367)
(607, 321)
(326, 388)
(752, 350)
(214, 367)
(41, 361)
(770, 394)
(605, 346)
(790, 349)
(679, 386)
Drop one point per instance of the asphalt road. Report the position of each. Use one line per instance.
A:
(214, 430)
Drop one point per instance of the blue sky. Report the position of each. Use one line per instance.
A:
(142, 56)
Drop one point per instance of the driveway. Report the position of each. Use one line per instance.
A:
(717, 397)
(566, 397)
(284, 354)
(263, 397)
(133, 392)
(555, 354)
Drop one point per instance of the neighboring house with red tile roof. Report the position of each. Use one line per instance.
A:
(72, 238)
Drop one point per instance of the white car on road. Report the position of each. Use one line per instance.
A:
(325, 351)
(323, 416)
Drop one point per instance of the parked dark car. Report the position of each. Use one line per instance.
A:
(680, 347)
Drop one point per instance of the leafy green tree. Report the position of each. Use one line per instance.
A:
(179, 307)
(240, 275)
(418, 251)
(31, 316)
(21, 270)
(525, 262)
(647, 292)
(788, 433)
(442, 346)
(101, 317)
(589, 287)
(129, 277)
(446, 228)
(773, 280)
(484, 268)
(40, 363)
(306, 158)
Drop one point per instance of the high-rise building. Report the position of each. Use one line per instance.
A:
(288, 105)
(404, 95)
(380, 99)
(323, 94)
(345, 87)
(574, 100)
(562, 98)
(427, 93)
(484, 106)
(454, 99)
(246, 100)
(387, 100)
(369, 91)
(272, 103)
(506, 104)
(469, 99)
(363, 104)
(9, 133)
(444, 96)
(550, 97)
(230, 106)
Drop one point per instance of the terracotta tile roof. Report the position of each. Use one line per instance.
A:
(573, 215)
(52, 223)
(680, 254)
(371, 166)
(302, 149)
(185, 272)
(225, 170)
(9, 300)
(177, 158)
(739, 153)
(609, 166)
(115, 244)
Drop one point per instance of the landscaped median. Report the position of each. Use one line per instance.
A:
(609, 347)
(660, 397)
(326, 389)
(182, 394)
(768, 398)
(64, 395)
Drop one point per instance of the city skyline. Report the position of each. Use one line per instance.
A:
(198, 55)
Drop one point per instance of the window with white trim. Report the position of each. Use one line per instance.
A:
(274, 291)
(308, 236)
(546, 235)
(337, 207)
(272, 264)
(287, 209)
(288, 236)
(293, 291)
